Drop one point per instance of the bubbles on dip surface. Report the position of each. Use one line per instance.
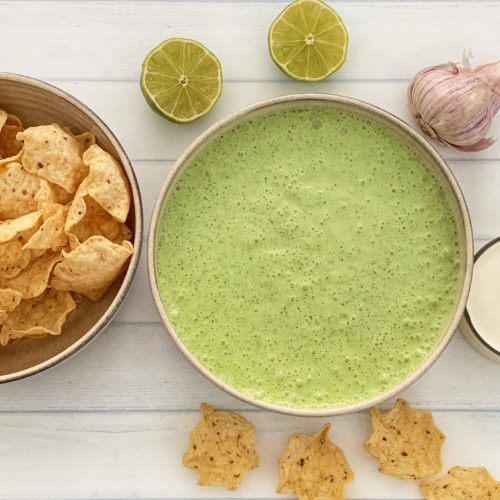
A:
(308, 257)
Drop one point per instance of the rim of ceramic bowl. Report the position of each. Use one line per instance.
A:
(467, 244)
(114, 306)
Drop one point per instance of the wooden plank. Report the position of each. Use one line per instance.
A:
(137, 367)
(138, 455)
(387, 39)
(146, 136)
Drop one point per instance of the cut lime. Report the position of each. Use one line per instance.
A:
(308, 40)
(181, 79)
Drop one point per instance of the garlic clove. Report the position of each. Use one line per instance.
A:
(456, 104)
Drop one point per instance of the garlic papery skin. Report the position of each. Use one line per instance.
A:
(456, 104)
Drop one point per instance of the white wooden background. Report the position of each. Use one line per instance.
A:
(113, 421)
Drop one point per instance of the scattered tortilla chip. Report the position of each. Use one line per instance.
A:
(106, 183)
(13, 259)
(40, 316)
(87, 218)
(18, 190)
(9, 300)
(462, 483)
(221, 448)
(54, 155)
(312, 467)
(91, 267)
(33, 280)
(11, 228)
(406, 442)
(50, 235)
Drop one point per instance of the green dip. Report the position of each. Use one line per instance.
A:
(309, 257)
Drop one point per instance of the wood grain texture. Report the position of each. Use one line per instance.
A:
(146, 136)
(387, 39)
(138, 455)
(112, 422)
(137, 367)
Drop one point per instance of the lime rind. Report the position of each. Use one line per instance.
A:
(299, 47)
(188, 56)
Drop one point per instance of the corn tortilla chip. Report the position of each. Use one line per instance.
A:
(312, 467)
(87, 218)
(40, 316)
(462, 483)
(221, 448)
(45, 194)
(33, 280)
(12, 159)
(9, 300)
(54, 155)
(12, 120)
(11, 228)
(406, 442)
(18, 190)
(86, 139)
(3, 118)
(106, 183)
(13, 259)
(50, 235)
(91, 267)
(10, 125)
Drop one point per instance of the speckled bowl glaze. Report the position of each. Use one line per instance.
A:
(441, 170)
(38, 103)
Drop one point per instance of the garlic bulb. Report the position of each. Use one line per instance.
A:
(456, 104)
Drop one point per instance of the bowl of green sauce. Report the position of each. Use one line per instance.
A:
(311, 254)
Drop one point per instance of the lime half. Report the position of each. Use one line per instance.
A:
(181, 79)
(308, 40)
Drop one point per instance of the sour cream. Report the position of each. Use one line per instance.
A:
(482, 319)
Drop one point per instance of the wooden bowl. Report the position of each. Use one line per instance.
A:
(38, 103)
(442, 172)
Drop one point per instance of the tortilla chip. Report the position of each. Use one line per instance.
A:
(11, 120)
(406, 442)
(33, 280)
(45, 194)
(11, 228)
(3, 118)
(50, 235)
(40, 316)
(86, 139)
(462, 483)
(9, 300)
(12, 159)
(106, 183)
(312, 467)
(87, 218)
(54, 155)
(221, 448)
(91, 267)
(18, 190)
(9, 145)
(13, 259)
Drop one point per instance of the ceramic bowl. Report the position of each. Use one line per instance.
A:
(435, 161)
(38, 103)
(469, 331)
